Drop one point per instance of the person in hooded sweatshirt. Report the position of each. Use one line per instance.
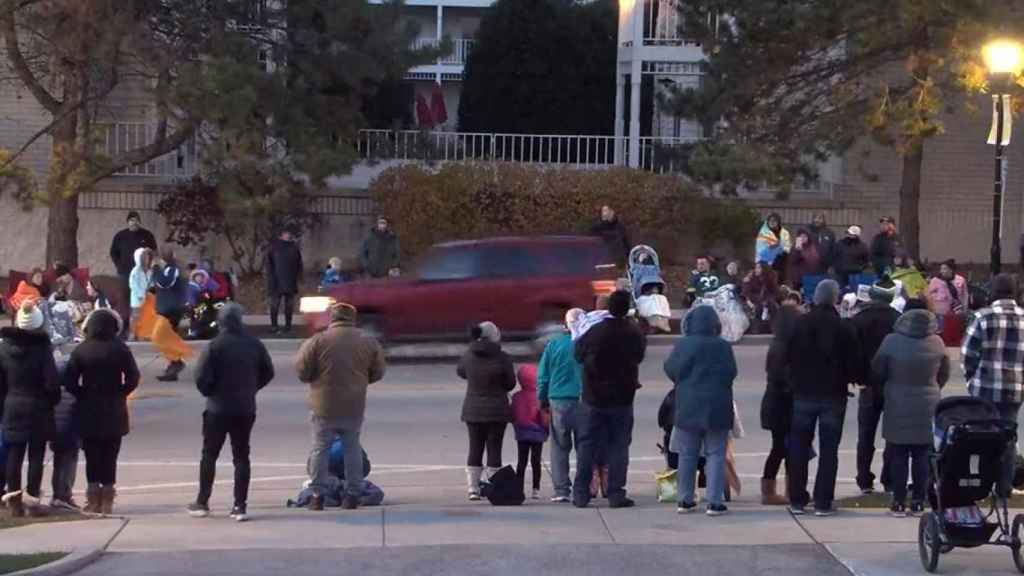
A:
(703, 368)
(380, 253)
(234, 367)
(913, 364)
(530, 423)
(777, 403)
(171, 297)
(489, 376)
(30, 389)
(139, 281)
(101, 374)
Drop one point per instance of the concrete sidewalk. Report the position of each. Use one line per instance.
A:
(83, 540)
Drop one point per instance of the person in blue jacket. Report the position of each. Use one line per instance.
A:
(703, 367)
(559, 382)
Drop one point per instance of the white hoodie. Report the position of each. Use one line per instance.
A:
(138, 281)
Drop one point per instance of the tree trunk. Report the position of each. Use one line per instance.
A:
(910, 200)
(62, 197)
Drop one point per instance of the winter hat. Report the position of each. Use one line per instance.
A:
(1004, 287)
(133, 215)
(342, 312)
(486, 331)
(827, 293)
(60, 269)
(853, 231)
(879, 293)
(619, 303)
(29, 317)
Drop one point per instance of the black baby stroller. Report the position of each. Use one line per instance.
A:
(970, 443)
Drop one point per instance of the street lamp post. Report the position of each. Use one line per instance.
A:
(1003, 58)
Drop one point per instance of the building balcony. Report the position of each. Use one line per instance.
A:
(180, 164)
(449, 66)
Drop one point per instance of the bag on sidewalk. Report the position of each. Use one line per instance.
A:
(503, 488)
(665, 486)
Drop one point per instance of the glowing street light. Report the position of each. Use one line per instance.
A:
(1003, 58)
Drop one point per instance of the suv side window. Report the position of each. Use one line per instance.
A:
(450, 264)
(509, 262)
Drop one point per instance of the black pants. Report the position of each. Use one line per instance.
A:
(124, 305)
(16, 456)
(530, 451)
(488, 435)
(101, 460)
(217, 428)
(289, 309)
(908, 460)
(869, 415)
(776, 455)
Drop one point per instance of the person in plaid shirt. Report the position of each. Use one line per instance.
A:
(993, 359)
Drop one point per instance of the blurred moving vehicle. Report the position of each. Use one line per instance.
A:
(523, 284)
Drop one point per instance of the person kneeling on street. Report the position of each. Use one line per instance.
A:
(230, 372)
(339, 364)
(101, 374)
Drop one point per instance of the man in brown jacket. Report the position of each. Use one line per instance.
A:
(339, 364)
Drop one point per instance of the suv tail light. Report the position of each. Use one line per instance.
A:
(603, 287)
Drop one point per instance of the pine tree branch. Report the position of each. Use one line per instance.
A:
(21, 67)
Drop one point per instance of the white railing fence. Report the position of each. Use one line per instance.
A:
(123, 137)
(461, 47)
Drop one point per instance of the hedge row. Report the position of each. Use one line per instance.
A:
(469, 200)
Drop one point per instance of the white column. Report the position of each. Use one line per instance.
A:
(620, 121)
(440, 35)
(634, 121)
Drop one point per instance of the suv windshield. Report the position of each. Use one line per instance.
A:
(450, 264)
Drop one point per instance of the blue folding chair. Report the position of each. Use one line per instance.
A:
(809, 284)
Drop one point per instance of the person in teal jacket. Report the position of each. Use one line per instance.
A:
(703, 367)
(559, 381)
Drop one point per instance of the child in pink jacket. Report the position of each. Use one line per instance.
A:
(531, 425)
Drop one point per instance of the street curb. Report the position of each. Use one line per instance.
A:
(74, 562)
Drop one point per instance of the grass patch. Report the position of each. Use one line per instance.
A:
(15, 562)
(877, 500)
(7, 522)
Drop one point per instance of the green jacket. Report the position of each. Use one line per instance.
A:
(559, 375)
(914, 283)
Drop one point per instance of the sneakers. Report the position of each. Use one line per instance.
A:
(717, 510)
(239, 514)
(824, 512)
(474, 496)
(621, 503)
(916, 508)
(867, 491)
(897, 510)
(197, 510)
(561, 499)
(797, 510)
(349, 502)
(316, 503)
(535, 494)
(686, 507)
(173, 369)
(69, 504)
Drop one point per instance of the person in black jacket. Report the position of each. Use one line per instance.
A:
(851, 256)
(101, 374)
(489, 376)
(884, 245)
(873, 324)
(613, 232)
(30, 389)
(777, 403)
(610, 354)
(122, 254)
(822, 357)
(171, 298)
(230, 372)
(284, 269)
(825, 240)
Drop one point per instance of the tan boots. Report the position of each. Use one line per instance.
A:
(769, 495)
(107, 495)
(99, 499)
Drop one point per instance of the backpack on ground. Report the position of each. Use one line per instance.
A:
(503, 488)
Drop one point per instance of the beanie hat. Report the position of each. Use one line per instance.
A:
(1003, 287)
(133, 215)
(826, 293)
(61, 269)
(879, 293)
(30, 317)
(619, 303)
(486, 331)
(853, 231)
(343, 312)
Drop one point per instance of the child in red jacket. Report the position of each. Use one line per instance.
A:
(531, 425)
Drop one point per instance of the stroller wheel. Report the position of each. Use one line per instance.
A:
(928, 543)
(1016, 535)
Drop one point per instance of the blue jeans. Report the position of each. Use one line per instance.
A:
(563, 441)
(607, 430)
(324, 433)
(827, 416)
(714, 443)
(1009, 412)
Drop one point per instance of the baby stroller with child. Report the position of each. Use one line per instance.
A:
(649, 288)
(971, 442)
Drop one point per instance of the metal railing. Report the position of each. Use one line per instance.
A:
(663, 24)
(461, 48)
(122, 137)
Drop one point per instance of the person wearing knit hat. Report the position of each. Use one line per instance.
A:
(822, 359)
(122, 254)
(339, 364)
(873, 323)
(489, 376)
(29, 374)
(610, 353)
(851, 256)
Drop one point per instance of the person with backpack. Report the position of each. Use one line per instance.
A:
(530, 423)
(101, 374)
(231, 371)
(703, 368)
(559, 381)
(489, 376)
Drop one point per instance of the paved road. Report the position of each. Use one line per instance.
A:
(417, 446)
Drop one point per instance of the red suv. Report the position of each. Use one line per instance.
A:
(521, 284)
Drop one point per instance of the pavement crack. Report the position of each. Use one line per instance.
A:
(822, 545)
(605, 524)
